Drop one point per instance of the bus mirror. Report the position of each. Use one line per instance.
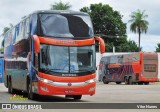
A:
(36, 44)
(101, 43)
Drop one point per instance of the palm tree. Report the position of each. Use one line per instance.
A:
(60, 6)
(139, 24)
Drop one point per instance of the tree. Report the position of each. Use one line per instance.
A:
(108, 24)
(5, 29)
(60, 6)
(139, 24)
(121, 44)
(158, 48)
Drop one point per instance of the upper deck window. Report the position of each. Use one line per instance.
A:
(66, 25)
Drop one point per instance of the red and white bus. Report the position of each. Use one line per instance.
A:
(140, 68)
(52, 53)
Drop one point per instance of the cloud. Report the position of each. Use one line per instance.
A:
(148, 42)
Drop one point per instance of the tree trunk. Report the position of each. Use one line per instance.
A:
(139, 40)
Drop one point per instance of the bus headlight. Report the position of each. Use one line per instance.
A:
(90, 81)
(44, 80)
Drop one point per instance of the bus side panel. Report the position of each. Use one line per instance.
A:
(116, 68)
(113, 69)
(136, 62)
(8, 56)
(136, 70)
(19, 69)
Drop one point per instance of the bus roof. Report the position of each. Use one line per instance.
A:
(51, 12)
(59, 12)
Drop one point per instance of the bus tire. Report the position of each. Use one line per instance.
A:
(140, 83)
(105, 81)
(31, 95)
(130, 81)
(125, 80)
(146, 83)
(10, 89)
(118, 82)
(9, 86)
(77, 97)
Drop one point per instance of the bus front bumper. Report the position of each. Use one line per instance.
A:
(66, 88)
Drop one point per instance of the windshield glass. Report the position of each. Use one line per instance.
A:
(64, 59)
(66, 25)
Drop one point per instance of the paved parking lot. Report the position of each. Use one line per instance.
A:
(108, 93)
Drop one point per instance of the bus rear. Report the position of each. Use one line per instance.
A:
(149, 68)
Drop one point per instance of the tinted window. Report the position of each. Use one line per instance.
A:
(27, 29)
(20, 31)
(57, 25)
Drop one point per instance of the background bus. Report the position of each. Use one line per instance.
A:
(52, 53)
(140, 68)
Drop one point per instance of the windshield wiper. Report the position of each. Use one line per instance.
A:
(81, 70)
(51, 70)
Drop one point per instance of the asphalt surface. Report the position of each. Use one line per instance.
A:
(105, 93)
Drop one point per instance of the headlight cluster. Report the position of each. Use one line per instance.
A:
(90, 81)
(44, 80)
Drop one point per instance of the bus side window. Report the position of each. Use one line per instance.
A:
(27, 28)
(20, 31)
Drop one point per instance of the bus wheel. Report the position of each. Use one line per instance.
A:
(140, 83)
(125, 81)
(9, 86)
(130, 82)
(10, 89)
(77, 97)
(105, 81)
(118, 82)
(31, 95)
(146, 83)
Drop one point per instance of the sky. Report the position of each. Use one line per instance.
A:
(11, 11)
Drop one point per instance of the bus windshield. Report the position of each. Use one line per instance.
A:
(65, 25)
(64, 59)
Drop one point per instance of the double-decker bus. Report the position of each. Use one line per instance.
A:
(140, 68)
(52, 53)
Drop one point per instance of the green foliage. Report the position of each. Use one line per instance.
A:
(109, 25)
(158, 47)
(60, 6)
(139, 24)
(5, 29)
(121, 44)
(105, 20)
(1, 50)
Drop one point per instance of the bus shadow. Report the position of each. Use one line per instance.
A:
(110, 83)
(56, 99)
(40, 98)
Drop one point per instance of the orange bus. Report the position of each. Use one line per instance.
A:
(52, 53)
(140, 68)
